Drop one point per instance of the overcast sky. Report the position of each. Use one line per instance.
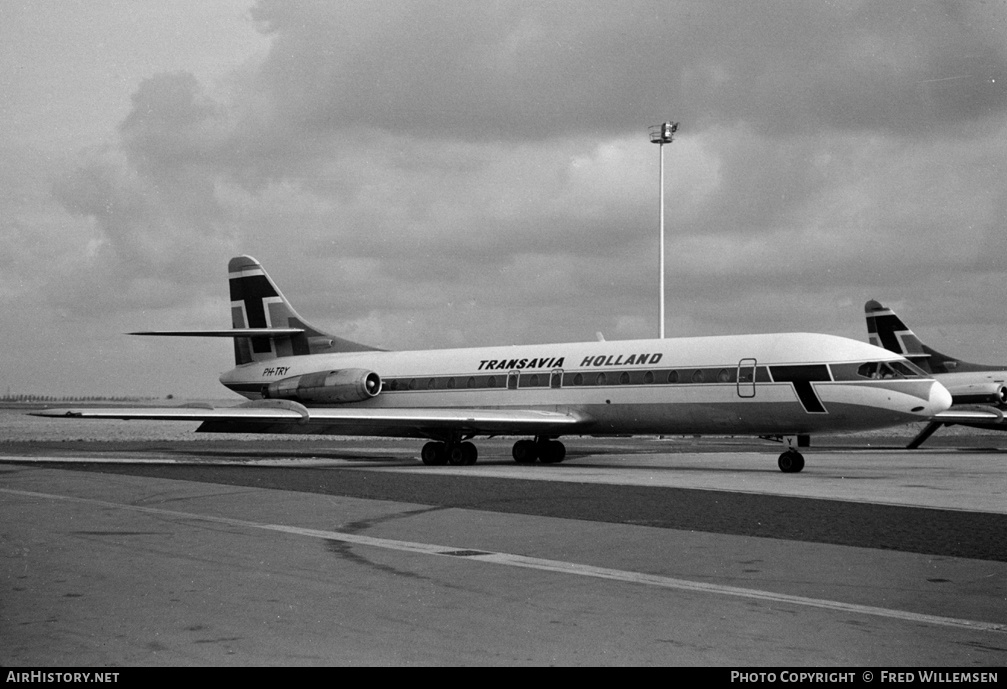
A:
(436, 174)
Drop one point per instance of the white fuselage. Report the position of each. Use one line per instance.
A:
(975, 387)
(789, 383)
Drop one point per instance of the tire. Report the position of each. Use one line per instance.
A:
(433, 454)
(551, 452)
(525, 452)
(791, 462)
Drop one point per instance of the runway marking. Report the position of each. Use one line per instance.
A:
(541, 564)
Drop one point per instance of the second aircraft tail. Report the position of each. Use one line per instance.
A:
(886, 329)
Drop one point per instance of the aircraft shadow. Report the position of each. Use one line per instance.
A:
(249, 455)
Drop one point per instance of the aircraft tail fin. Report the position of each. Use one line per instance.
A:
(274, 329)
(886, 329)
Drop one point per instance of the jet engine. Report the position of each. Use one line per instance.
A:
(979, 393)
(1001, 395)
(347, 385)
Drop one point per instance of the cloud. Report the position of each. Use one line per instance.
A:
(529, 71)
(152, 202)
(417, 130)
(442, 174)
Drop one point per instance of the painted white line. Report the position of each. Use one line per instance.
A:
(558, 566)
(200, 462)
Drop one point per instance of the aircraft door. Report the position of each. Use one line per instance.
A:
(513, 377)
(556, 378)
(746, 378)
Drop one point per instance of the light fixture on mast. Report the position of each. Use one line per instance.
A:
(662, 134)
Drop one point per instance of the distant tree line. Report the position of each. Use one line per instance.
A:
(32, 398)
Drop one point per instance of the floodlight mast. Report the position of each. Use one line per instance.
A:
(662, 134)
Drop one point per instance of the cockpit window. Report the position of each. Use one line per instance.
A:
(907, 369)
(889, 369)
(868, 370)
(914, 371)
(877, 370)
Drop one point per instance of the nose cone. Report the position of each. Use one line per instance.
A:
(940, 399)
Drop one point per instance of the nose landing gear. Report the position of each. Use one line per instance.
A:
(791, 462)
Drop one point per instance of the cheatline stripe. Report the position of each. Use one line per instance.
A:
(542, 564)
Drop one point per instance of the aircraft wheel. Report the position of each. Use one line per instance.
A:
(463, 454)
(433, 454)
(551, 452)
(791, 462)
(525, 451)
(470, 452)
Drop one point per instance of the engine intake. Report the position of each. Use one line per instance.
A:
(330, 387)
(979, 393)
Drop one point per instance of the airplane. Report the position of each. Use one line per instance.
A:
(978, 392)
(300, 379)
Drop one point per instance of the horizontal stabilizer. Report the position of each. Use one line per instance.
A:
(186, 413)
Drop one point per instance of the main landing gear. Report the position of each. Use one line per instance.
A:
(464, 453)
(453, 453)
(543, 449)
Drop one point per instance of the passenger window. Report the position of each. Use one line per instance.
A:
(724, 376)
(491, 382)
(672, 376)
(578, 379)
(697, 377)
(648, 377)
(601, 379)
(451, 383)
(624, 378)
(471, 382)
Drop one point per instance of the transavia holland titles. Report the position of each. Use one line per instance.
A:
(867, 676)
(647, 359)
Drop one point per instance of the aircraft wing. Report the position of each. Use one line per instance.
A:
(990, 415)
(275, 413)
(230, 332)
(978, 417)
